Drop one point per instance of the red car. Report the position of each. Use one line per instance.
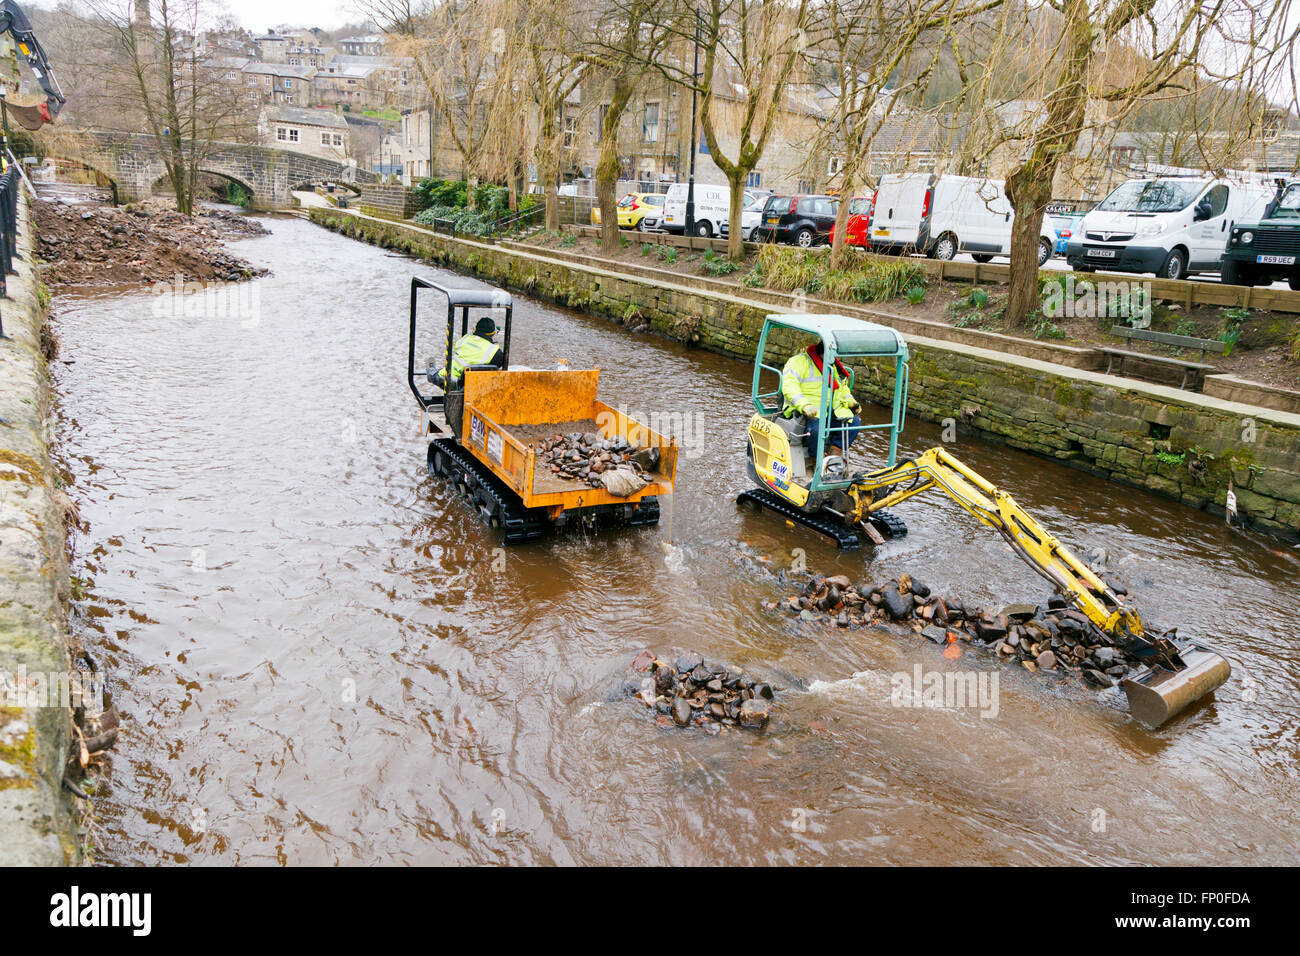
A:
(857, 231)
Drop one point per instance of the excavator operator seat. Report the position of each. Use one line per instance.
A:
(795, 428)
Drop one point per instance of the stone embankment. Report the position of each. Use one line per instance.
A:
(36, 826)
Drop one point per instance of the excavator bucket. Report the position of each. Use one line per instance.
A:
(1158, 694)
(28, 117)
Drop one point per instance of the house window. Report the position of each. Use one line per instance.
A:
(331, 139)
(600, 118)
(288, 99)
(288, 84)
(570, 131)
(754, 179)
(286, 135)
(650, 128)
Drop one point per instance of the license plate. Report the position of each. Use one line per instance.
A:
(1275, 260)
(773, 222)
(668, 219)
(882, 232)
(1103, 253)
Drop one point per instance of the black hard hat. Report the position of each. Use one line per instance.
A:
(486, 326)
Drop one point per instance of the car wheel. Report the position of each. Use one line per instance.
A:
(1294, 282)
(1175, 265)
(641, 226)
(703, 230)
(981, 257)
(1083, 268)
(804, 238)
(945, 248)
(1044, 252)
(1230, 272)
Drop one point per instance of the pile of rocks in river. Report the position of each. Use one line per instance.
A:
(612, 463)
(689, 692)
(1054, 637)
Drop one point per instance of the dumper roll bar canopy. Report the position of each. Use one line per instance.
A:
(842, 337)
(457, 298)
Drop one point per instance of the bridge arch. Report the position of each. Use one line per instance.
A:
(132, 161)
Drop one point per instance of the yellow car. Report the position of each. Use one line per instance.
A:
(641, 211)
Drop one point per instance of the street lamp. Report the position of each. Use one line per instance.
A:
(695, 81)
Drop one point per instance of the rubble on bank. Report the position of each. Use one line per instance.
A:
(1048, 638)
(92, 245)
(686, 691)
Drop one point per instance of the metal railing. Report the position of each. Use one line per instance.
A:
(10, 184)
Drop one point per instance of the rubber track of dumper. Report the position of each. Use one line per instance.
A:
(518, 522)
(844, 536)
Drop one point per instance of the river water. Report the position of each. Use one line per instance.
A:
(321, 655)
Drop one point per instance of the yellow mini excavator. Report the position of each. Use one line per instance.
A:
(795, 483)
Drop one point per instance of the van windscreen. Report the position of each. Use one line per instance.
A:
(1152, 195)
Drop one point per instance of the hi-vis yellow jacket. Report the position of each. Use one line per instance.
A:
(470, 350)
(801, 387)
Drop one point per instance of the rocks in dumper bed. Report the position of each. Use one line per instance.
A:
(685, 690)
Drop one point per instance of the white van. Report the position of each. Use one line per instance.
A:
(712, 207)
(942, 216)
(1168, 225)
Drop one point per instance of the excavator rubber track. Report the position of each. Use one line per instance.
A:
(843, 535)
(495, 502)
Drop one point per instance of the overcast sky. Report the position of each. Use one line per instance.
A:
(260, 15)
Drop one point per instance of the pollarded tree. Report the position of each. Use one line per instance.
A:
(1108, 56)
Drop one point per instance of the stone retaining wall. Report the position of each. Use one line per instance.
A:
(35, 828)
(1178, 444)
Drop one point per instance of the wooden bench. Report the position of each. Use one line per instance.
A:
(1193, 372)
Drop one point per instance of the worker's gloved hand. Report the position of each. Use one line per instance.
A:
(843, 413)
(811, 411)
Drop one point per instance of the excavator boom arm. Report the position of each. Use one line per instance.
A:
(937, 468)
(15, 22)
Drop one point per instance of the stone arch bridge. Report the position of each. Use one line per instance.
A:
(133, 162)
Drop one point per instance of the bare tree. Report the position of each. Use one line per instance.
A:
(162, 80)
(874, 53)
(459, 50)
(751, 51)
(552, 38)
(1108, 56)
(627, 38)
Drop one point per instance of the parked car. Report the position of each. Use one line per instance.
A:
(712, 207)
(1167, 225)
(634, 207)
(751, 216)
(1268, 250)
(857, 228)
(941, 216)
(802, 220)
(1064, 227)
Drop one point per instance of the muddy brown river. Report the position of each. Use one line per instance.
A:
(323, 657)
